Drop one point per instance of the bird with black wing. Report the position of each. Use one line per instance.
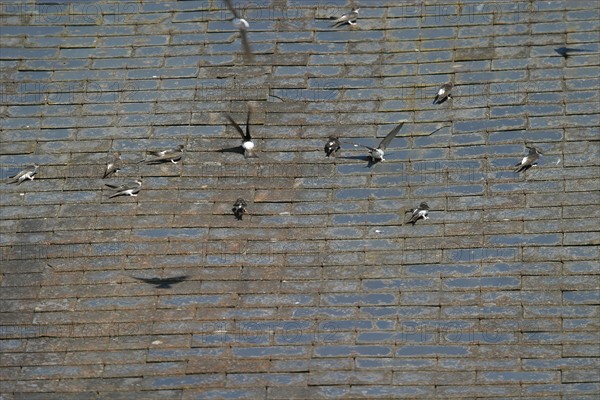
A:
(247, 143)
(126, 189)
(420, 212)
(27, 173)
(529, 160)
(377, 153)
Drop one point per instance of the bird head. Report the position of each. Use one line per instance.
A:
(533, 150)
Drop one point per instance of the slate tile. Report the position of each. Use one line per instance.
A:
(511, 252)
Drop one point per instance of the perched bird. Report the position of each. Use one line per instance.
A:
(247, 143)
(565, 51)
(243, 26)
(163, 283)
(239, 208)
(27, 173)
(332, 146)
(529, 160)
(349, 18)
(173, 155)
(443, 93)
(420, 212)
(113, 165)
(126, 189)
(378, 152)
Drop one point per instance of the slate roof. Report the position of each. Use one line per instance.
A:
(320, 291)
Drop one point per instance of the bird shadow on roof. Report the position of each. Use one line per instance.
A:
(368, 159)
(163, 283)
(236, 149)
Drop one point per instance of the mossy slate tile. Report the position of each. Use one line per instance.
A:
(322, 290)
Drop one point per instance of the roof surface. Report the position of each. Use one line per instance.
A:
(322, 290)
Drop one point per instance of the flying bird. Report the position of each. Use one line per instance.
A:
(27, 173)
(163, 283)
(349, 18)
(243, 26)
(443, 93)
(173, 155)
(247, 143)
(113, 165)
(565, 51)
(378, 152)
(529, 160)
(239, 208)
(420, 212)
(332, 146)
(126, 189)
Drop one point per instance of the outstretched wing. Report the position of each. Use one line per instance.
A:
(164, 283)
(236, 126)
(112, 166)
(152, 281)
(230, 6)
(18, 175)
(414, 216)
(564, 51)
(386, 140)
(248, 137)
(246, 45)
(169, 157)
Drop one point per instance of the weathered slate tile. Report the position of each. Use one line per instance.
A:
(322, 290)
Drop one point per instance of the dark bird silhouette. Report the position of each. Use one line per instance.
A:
(247, 143)
(529, 160)
(443, 93)
(567, 51)
(420, 212)
(243, 26)
(332, 146)
(378, 152)
(239, 208)
(163, 283)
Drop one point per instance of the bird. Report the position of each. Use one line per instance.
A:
(349, 18)
(378, 152)
(443, 93)
(247, 143)
(163, 283)
(332, 146)
(239, 208)
(173, 155)
(529, 160)
(126, 189)
(27, 173)
(420, 212)
(113, 165)
(564, 51)
(243, 26)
